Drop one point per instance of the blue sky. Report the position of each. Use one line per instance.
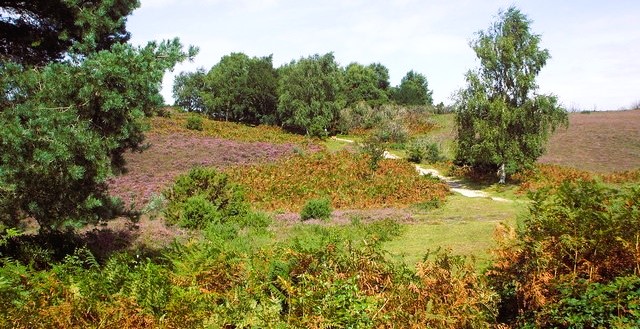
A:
(594, 45)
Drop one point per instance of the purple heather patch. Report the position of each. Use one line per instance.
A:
(171, 155)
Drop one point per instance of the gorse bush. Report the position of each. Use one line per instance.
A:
(197, 211)
(424, 149)
(203, 196)
(194, 123)
(316, 209)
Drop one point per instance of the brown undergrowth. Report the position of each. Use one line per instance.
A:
(345, 178)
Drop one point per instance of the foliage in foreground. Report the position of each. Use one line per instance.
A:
(345, 178)
(576, 261)
(65, 127)
(319, 277)
(37, 32)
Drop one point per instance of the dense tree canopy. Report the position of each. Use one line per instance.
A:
(502, 122)
(241, 89)
(188, 89)
(413, 90)
(362, 83)
(65, 125)
(382, 76)
(310, 94)
(40, 31)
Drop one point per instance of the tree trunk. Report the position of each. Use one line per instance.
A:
(502, 174)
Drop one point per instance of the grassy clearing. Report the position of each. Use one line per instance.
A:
(464, 225)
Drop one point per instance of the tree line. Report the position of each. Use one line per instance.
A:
(304, 96)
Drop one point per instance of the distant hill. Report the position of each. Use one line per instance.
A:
(597, 141)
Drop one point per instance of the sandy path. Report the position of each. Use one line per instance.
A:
(454, 184)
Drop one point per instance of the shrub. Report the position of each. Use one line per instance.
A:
(194, 122)
(357, 117)
(446, 292)
(594, 305)
(202, 196)
(373, 147)
(584, 232)
(155, 206)
(316, 208)
(392, 132)
(423, 149)
(197, 212)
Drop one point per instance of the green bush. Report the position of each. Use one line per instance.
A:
(202, 196)
(373, 147)
(579, 241)
(194, 122)
(316, 208)
(594, 305)
(392, 132)
(423, 149)
(197, 212)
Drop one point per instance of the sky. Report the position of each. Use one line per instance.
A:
(594, 45)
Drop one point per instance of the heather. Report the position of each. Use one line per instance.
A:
(170, 155)
(234, 209)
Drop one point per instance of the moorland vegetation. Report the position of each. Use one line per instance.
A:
(243, 151)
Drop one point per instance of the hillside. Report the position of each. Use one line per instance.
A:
(597, 141)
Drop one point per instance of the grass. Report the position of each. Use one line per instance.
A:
(464, 225)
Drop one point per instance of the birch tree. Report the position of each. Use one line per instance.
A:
(502, 122)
